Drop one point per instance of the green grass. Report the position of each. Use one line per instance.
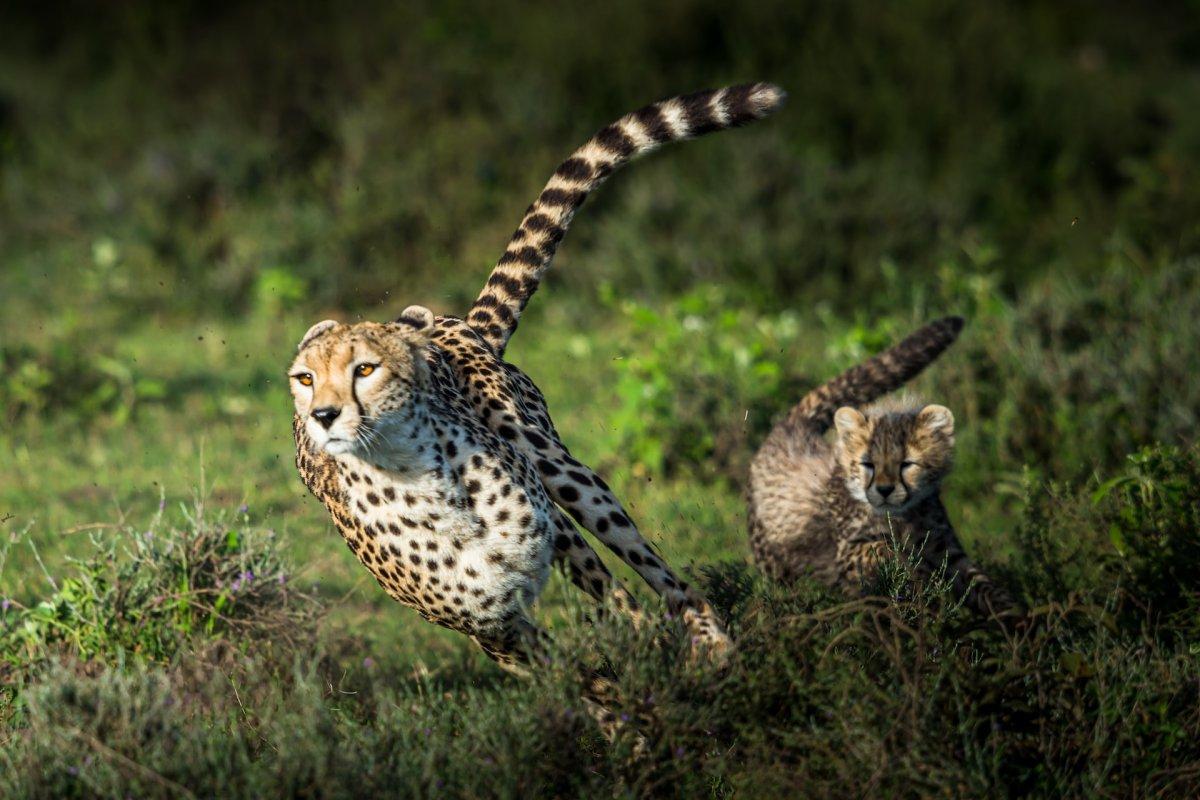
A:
(182, 196)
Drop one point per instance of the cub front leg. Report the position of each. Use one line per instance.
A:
(980, 593)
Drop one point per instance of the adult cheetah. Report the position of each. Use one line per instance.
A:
(438, 460)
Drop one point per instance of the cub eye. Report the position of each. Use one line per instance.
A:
(868, 465)
(305, 378)
(907, 464)
(363, 370)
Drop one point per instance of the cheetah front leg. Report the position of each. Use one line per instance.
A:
(586, 497)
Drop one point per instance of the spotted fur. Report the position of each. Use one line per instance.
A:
(834, 511)
(438, 461)
(519, 271)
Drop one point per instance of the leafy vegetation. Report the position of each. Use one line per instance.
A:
(182, 195)
(903, 690)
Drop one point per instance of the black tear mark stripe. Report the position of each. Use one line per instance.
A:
(496, 312)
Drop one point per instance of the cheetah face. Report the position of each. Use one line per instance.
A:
(353, 385)
(893, 461)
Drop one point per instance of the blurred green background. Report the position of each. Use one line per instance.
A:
(185, 188)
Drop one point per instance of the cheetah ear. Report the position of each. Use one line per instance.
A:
(315, 331)
(849, 421)
(936, 418)
(416, 323)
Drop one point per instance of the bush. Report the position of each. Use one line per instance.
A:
(68, 377)
(386, 137)
(1068, 378)
(148, 595)
(1132, 542)
(907, 695)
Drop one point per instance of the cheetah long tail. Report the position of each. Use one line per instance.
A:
(870, 380)
(516, 276)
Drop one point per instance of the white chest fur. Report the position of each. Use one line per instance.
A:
(457, 535)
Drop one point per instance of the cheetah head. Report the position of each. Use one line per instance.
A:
(894, 459)
(354, 384)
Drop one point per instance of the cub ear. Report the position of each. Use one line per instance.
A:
(936, 418)
(848, 421)
(314, 332)
(416, 322)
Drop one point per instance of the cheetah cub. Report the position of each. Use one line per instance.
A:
(437, 459)
(834, 511)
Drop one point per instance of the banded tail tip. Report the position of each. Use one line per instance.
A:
(766, 98)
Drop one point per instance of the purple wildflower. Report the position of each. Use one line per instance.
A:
(5, 604)
(679, 751)
(368, 662)
(243, 509)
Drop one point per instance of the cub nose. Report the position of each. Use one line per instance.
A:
(326, 415)
(884, 490)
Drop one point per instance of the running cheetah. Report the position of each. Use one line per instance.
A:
(833, 512)
(438, 460)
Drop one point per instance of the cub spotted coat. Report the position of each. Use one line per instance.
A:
(834, 511)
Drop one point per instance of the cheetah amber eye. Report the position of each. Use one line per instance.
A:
(363, 370)
(867, 465)
(304, 378)
(907, 464)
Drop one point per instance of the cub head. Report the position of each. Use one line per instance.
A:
(892, 460)
(353, 384)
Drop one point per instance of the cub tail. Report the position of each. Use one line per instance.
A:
(875, 377)
(515, 278)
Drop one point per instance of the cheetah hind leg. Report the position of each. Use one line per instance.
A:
(588, 572)
(524, 420)
(588, 499)
(523, 645)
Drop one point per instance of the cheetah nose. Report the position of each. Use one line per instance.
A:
(326, 415)
(884, 490)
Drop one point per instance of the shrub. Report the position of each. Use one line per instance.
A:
(68, 376)
(147, 595)
(906, 695)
